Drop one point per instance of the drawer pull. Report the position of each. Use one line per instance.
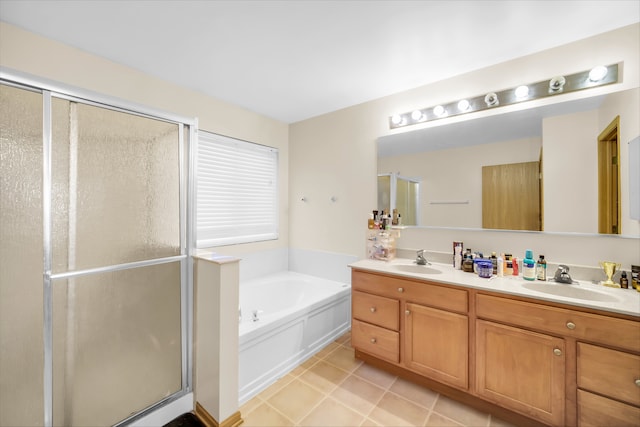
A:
(373, 309)
(571, 325)
(400, 289)
(407, 312)
(373, 340)
(638, 383)
(557, 352)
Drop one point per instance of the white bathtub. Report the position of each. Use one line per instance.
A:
(297, 315)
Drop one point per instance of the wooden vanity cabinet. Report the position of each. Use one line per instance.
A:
(608, 386)
(525, 360)
(433, 339)
(595, 385)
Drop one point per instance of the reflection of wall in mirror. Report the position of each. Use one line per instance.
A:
(570, 165)
(456, 174)
(626, 104)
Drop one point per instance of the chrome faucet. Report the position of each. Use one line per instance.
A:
(562, 275)
(420, 259)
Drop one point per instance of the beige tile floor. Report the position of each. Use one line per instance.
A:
(332, 388)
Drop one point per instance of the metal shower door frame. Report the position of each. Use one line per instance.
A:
(187, 150)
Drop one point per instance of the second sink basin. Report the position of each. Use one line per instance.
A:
(415, 268)
(570, 291)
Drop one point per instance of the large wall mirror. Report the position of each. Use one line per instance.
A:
(480, 173)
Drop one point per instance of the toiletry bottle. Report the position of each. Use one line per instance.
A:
(467, 263)
(494, 263)
(376, 220)
(514, 266)
(457, 255)
(624, 282)
(370, 223)
(541, 268)
(508, 265)
(528, 266)
(399, 219)
(500, 266)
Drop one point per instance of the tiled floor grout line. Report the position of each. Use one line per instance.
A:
(351, 373)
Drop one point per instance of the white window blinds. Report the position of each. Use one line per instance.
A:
(237, 197)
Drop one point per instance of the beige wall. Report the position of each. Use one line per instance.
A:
(336, 153)
(29, 53)
(570, 206)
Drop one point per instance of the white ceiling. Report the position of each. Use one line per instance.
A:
(291, 60)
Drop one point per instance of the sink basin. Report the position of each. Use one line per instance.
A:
(570, 291)
(415, 268)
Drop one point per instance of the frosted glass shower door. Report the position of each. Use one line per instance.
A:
(117, 263)
(21, 252)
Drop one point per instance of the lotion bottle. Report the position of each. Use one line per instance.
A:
(500, 266)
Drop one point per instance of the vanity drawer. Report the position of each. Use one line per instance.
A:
(375, 340)
(381, 311)
(598, 411)
(582, 326)
(413, 291)
(609, 372)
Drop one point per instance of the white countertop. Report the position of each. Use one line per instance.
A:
(588, 295)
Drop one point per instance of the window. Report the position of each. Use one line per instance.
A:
(237, 197)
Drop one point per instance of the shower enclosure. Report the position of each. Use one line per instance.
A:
(95, 270)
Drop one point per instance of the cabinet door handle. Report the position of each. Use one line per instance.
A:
(571, 325)
(407, 312)
(373, 309)
(400, 289)
(638, 383)
(373, 340)
(557, 352)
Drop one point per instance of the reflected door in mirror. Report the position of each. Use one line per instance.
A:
(511, 196)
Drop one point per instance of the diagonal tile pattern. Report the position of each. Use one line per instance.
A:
(332, 388)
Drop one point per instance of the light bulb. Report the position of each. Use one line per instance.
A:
(417, 115)
(597, 73)
(463, 105)
(491, 99)
(522, 91)
(556, 84)
(396, 119)
(439, 111)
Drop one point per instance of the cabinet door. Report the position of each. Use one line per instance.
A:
(521, 370)
(436, 344)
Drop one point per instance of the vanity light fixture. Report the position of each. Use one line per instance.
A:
(598, 76)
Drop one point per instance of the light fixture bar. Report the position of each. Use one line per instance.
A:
(598, 76)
